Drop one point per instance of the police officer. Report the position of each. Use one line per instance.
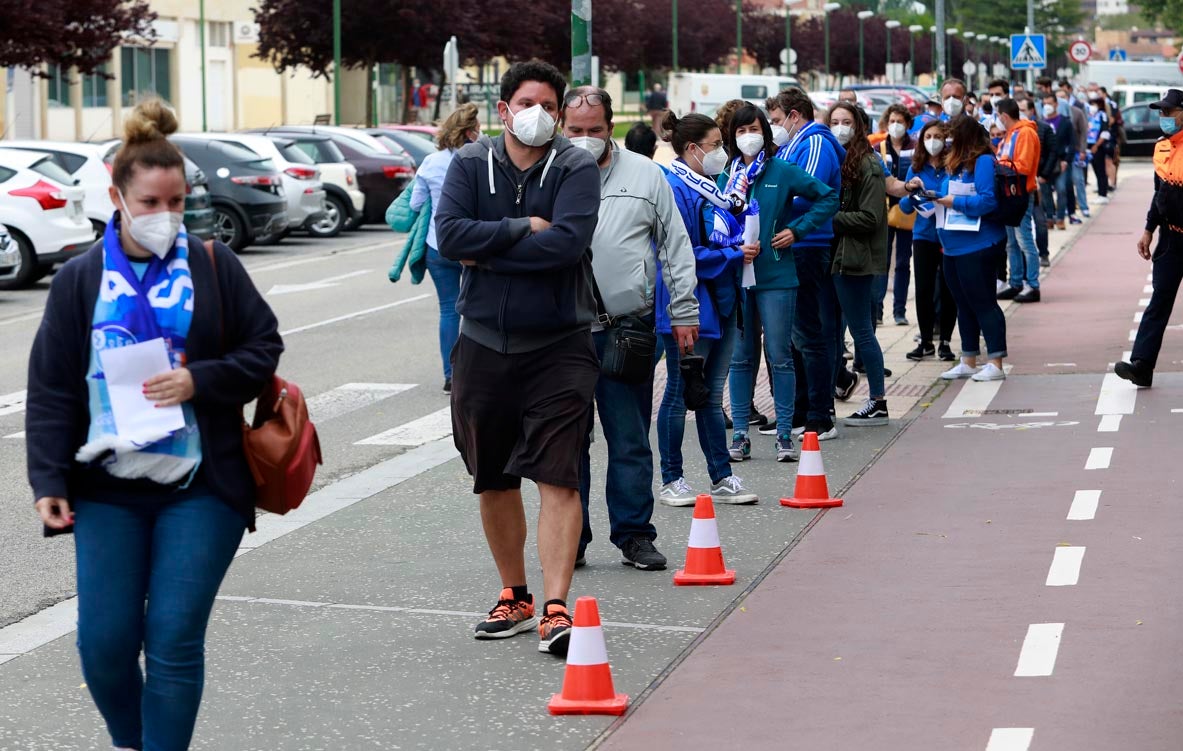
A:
(1165, 215)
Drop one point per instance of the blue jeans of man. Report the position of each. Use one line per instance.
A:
(1078, 174)
(855, 293)
(171, 555)
(901, 241)
(813, 335)
(445, 275)
(971, 280)
(671, 415)
(1022, 251)
(626, 409)
(777, 309)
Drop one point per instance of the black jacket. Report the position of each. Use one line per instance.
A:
(526, 290)
(1049, 159)
(57, 415)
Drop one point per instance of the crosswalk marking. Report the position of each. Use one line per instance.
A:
(14, 403)
(351, 397)
(431, 427)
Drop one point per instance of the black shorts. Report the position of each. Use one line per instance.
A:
(523, 415)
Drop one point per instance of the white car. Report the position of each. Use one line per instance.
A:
(84, 162)
(301, 177)
(43, 211)
(344, 201)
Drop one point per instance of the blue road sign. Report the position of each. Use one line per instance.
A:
(1028, 51)
(1117, 54)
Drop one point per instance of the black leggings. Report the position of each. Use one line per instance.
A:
(927, 259)
(1099, 169)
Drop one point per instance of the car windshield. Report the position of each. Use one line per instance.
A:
(48, 168)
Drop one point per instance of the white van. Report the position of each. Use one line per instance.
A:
(706, 92)
(1128, 94)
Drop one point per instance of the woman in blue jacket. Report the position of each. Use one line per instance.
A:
(973, 242)
(720, 255)
(757, 177)
(927, 172)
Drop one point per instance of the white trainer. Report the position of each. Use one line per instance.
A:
(990, 372)
(677, 493)
(960, 370)
(731, 490)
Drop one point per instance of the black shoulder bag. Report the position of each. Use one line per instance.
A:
(630, 346)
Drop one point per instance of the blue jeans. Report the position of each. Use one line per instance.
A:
(854, 293)
(172, 556)
(813, 336)
(1082, 199)
(1022, 251)
(445, 275)
(971, 280)
(901, 240)
(671, 415)
(626, 410)
(777, 308)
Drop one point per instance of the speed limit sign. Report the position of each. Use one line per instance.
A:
(1080, 51)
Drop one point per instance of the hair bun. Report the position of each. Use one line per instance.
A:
(151, 120)
(669, 122)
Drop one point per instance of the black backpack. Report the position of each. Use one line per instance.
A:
(1010, 190)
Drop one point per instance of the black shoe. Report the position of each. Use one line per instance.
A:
(1009, 293)
(447, 385)
(842, 391)
(1135, 372)
(641, 555)
(727, 420)
(945, 352)
(581, 559)
(1029, 294)
(768, 428)
(755, 418)
(921, 352)
(1044, 262)
(873, 413)
(862, 369)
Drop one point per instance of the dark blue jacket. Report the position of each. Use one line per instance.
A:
(817, 151)
(527, 290)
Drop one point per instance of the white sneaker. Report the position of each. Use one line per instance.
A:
(990, 372)
(999, 287)
(731, 490)
(1101, 200)
(677, 493)
(960, 370)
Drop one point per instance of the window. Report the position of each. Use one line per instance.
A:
(146, 71)
(6, 174)
(59, 86)
(295, 154)
(69, 162)
(48, 168)
(753, 93)
(94, 88)
(1146, 96)
(218, 33)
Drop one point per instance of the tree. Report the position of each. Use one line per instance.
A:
(1167, 12)
(69, 33)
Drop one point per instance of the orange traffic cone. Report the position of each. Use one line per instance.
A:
(704, 556)
(812, 491)
(587, 684)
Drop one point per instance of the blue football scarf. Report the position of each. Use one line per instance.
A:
(130, 310)
(726, 229)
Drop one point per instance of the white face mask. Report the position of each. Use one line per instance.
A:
(1094, 109)
(994, 100)
(896, 130)
(780, 136)
(750, 144)
(934, 146)
(532, 126)
(714, 162)
(1049, 110)
(843, 133)
(157, 232)
(590, 144)
(952, 106)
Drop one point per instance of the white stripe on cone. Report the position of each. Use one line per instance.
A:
(704, 533)
(811, 464)
(587, 646)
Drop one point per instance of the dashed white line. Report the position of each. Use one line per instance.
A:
(1084, 505)
(1040, 647)
(14, 403)
(1138, 317)
(1099, 458)
(1144, 302)
(1010, 739)
(1133, 334)
(1109, 424)
(1148, 289)
(1065, 568)
(431, 427)
(357, 314)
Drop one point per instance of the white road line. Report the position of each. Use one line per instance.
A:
(1144, 302)
(1061, 365)
(1117, 396)
(1065, 568)
(974, 398)
(320, 258)
(20, 319)
(1099, 458)
(431, 427)
(1109, 424)
(327, 283)
(1038, 656)
(16, 436)
(1133, 334)
(1084, 505)
(14, 403)
(1138, 317)
(55, 622)
(1176, 411)
(1010, 739)
(1038, 414)
(358, 314)
(1148, 289)
(351, 397)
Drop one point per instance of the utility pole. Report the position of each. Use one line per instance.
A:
(201, 41)
(738, 36)
(1030, 29)
(675, 34)
(939, 41)
(581, 42)
(337, 62)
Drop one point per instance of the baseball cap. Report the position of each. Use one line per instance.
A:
(1172, 101)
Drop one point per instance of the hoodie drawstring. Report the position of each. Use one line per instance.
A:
(549, 160)
(492, 187)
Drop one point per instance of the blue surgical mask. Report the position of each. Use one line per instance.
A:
(996, 141)
(1168, 124)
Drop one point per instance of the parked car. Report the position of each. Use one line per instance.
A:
(301, 178)
(400, 141)
(43, 211)
(1141, 130)
(344, 201)
(247, 191)
(83, 162)
(199, 208)
(380, 174)
(427, 132)
(10, 253)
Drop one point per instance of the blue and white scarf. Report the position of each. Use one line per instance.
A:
(743, 178)
(130, 310)
(726, 229)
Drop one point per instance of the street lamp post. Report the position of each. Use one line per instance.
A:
(336, 62)
(913, 30)
(738, 36)
(828, 8)
(674, 20)
(201, 41)
(936, 66)
(789, 37)
(863, 15)
(969, 52)
(949, 63)
(891, 26)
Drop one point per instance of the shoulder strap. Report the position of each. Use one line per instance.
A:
(213, 262)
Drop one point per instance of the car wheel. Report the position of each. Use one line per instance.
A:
(354, 223)
(27, 269)
(333, 221)
(229, 228)
(274, 239)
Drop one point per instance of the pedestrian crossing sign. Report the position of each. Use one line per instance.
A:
(1028, 51)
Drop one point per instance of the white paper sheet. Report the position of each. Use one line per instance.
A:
(957, 188)
(959, 222)
(125, 370)
(751, 234)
